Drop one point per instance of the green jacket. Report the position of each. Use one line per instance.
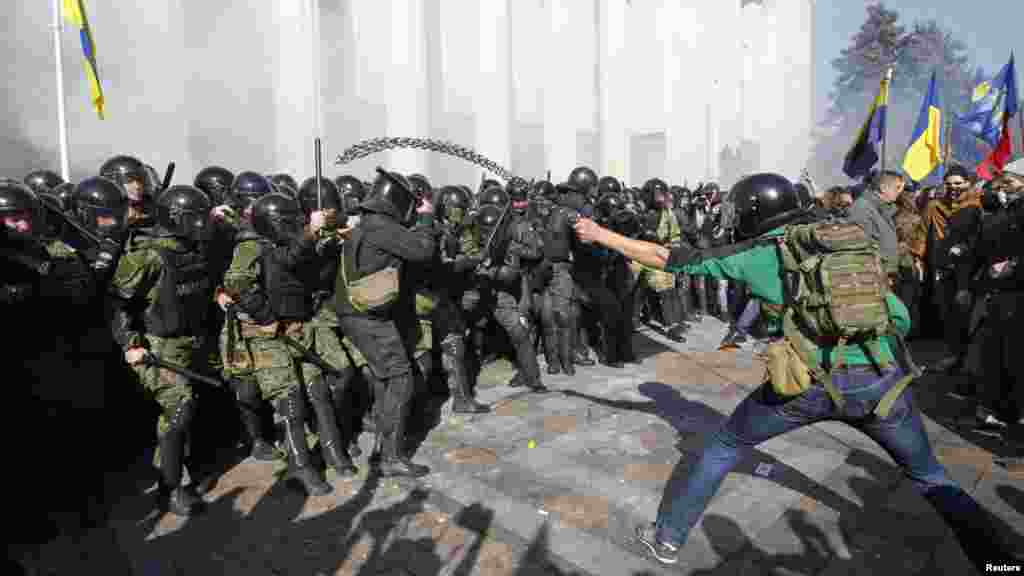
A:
(756, 263)
(137, 279)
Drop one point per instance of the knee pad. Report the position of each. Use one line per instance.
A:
(181, 417)
(247, 391)
(317, 388)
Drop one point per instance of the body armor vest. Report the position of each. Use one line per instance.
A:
(287, 294)
(668, 228)
(183, 296)
(557, 236)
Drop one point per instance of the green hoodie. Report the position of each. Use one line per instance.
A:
(756, 263)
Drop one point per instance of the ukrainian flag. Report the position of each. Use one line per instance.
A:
(925, 152)
(74, 13)
(862, 156)
(992, 102)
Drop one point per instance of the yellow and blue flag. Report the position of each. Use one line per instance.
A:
(991, 103)
(74, 13)
(925, 151)
(863, 155)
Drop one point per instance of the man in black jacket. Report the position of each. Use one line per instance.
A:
(383, 240)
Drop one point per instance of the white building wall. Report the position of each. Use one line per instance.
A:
(227, 83)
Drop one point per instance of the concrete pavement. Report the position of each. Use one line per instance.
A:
(554, 484)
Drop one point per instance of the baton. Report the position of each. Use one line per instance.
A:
(168, 177)
(78, 226)
(309, 356)
(319, 173)
(152, 360)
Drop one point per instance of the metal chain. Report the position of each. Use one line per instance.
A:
(376, 145)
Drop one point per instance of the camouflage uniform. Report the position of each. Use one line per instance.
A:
(667, 233)
(256, 352)
(137, 291)
(137, 278)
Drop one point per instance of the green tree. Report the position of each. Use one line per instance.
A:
(913, 53)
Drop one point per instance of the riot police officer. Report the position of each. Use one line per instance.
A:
(131, 174)
(159, 295)
(264, 291)
(379, 318)
(662, 228)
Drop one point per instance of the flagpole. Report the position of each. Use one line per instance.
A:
(62, 121)
(885, 125)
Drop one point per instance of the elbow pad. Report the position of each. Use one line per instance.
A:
(121, 324)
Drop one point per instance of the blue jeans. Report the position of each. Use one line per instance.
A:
(749, 317)
(764, 415)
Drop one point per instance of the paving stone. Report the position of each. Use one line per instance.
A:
(968, 465)
(559, 424)
(873, 555)
(471, 455)
(583, 512)
(357, 556)
(647, 473)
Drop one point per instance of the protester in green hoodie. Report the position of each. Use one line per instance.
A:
(854, 390)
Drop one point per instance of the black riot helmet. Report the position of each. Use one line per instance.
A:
(583, 179)
(684, 198)
(123, 169)
(487, 219)
(453, 205)
(40, 181)
(277, 217)
(656, 194)
(281, 181)
(487, 183)
(59, 198)
(608, 185)
(182, 211)
(494, 195)
(606, 208)
(18, 201)
(101, 206)
(329, 198)
(545, 189)
(391, 194)
(349, 185)
(216, 182)
(421, 187)
(247, 188)
(763, 202)
(518, 191)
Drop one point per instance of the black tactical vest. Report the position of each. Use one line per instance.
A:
(183, 295)
(287, 294)
(557, 236)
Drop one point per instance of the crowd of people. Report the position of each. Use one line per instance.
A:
(341, 304)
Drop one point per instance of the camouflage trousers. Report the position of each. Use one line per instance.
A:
(321, 336)
(166, 387)
(259, 354)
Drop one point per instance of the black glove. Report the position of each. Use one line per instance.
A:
(104, 256)
(963, 299)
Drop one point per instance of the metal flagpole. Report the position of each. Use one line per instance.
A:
(62, 121)
(885, 125)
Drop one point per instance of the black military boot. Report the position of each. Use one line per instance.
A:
(180, 500)
(338, 386)
(551, 350)
(248, 398)
(674, 328)
(299, 462)
(526, 358)
(580, 357)
(683, 284)
(391, 429)
(702, 298)
(564, 339)
(453, 362)
(332, 444)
